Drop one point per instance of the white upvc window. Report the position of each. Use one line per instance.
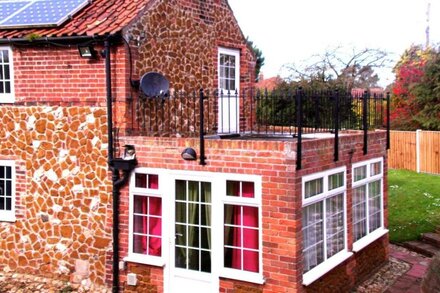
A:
(6, 75)
(145, 222)
(7, 190)
(368, 219)
(323, 223)
(242, 241)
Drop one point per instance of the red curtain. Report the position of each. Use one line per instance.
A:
(244, 237)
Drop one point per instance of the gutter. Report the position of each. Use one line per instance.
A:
(45, 40)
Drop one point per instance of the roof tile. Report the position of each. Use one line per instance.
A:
(101, 17)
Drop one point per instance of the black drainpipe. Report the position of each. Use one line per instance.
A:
(117, 182)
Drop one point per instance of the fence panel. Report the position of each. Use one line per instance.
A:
(430, 152)
(403, 153)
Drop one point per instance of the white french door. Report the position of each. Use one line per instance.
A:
(229, 86)
(191, 249)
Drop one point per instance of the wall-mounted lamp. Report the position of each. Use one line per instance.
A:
(129, 152)
(87, 51)
(189, 154)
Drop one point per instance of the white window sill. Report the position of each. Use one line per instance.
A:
(325, 267)
(368, 239)
(243, 276)
(8, 219)
(153, 261)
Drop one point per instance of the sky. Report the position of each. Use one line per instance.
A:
(293, 30)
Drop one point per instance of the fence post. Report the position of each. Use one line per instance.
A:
(336, 125)
(365, 121)
(202, 129)
(418, 133)
(299, 125)
(388, 121)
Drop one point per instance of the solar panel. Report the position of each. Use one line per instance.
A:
(37, 13)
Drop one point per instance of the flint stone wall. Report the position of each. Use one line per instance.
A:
(63, 203)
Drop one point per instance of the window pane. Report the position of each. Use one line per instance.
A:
(8, 188)
(232, 258)
(193, 259)
(2, 187)
(374, 188)
(233, 236)
(2, 172)
(2, 203)
(375, 168)
(313, 256)
(7, 87)
(180, 212)
(335, 224)
(250, 216)
(5, 54)
(141, 180)
(313, 187)
(360, 173)
(153, 181)
(250, 261)
(250, 238)
(140, 204)
(336, 180)
(7, 73)
(193, 191)
(233, 188)
(359, 212)
(181, 235)
(8, 172)
(180, 190)
(2, 87)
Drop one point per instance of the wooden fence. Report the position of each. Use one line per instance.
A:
(415, 150)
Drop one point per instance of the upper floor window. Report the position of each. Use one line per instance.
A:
(7, 191)
(6, 76)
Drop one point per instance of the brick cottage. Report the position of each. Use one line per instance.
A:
(230, 192)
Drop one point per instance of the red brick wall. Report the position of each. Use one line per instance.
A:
(281, 201)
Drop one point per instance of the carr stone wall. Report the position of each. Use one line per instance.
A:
(180, 39)
(63, 198)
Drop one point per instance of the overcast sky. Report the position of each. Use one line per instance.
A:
(293, 30)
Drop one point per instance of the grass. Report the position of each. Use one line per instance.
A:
(413, 204)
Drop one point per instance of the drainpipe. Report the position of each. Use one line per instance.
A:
(117, 182)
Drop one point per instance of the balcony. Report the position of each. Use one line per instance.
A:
(289, 115)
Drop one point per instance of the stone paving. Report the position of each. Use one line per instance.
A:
(411, 281)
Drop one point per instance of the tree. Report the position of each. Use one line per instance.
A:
(259, 58)
(416, 91)
(347, 70)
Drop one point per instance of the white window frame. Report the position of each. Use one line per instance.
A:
(379, 232)
(10, 97)
(9, 216)
(229, 119)
(219, 199)
(253, 277)
(335, 260)
(138, 257)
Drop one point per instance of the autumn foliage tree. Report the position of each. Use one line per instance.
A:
(416, 91)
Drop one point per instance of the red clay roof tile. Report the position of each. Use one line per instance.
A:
(101, 17)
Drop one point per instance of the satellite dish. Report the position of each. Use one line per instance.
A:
(154, 84)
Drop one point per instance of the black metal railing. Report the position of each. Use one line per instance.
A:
(266, 114)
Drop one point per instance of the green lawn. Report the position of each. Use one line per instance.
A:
(413, 204)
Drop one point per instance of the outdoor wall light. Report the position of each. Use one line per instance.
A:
(189, 154)
(87, 51)
(129, 152)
